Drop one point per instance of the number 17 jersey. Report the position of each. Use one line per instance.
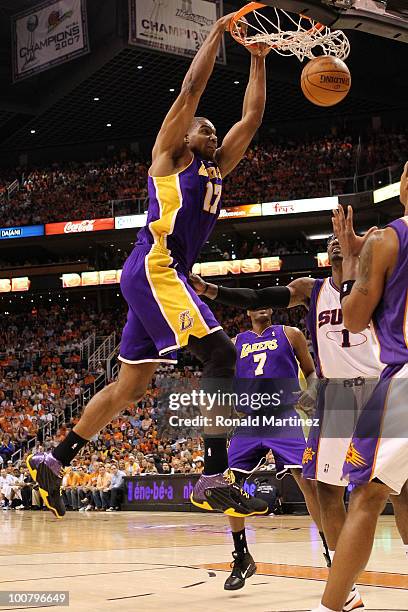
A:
(183, 209)
(338, 352)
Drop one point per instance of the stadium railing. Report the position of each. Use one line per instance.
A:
(71, 410)
(104, 345)
(365, 182)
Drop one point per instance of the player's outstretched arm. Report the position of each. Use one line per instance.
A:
(366, 267)
(240, 135)
(295, 294)
(170, 142)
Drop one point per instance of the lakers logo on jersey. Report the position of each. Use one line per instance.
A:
(354, 457)
(266, 345)
(186, 320)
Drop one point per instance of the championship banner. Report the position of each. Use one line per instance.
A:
(48, 34)
(174, 26)
(74, 227)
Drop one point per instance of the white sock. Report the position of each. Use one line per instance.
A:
(331, 553)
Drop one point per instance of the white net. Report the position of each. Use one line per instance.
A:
(304, 40)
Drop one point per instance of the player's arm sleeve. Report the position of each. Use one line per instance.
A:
(270, 297)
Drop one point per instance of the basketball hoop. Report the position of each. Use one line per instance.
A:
(286, 33)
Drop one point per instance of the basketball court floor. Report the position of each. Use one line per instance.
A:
(179, 561)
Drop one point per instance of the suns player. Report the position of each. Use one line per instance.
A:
(374, 288)
(269, 358)
(184, 186)
(350, 362)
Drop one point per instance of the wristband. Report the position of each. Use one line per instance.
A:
(346, 287)
(206, 288)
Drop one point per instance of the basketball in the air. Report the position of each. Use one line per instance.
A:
(325, 80)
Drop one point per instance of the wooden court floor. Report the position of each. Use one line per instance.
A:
(134, 561)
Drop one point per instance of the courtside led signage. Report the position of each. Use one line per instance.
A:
(27, 231)
(297, 207)
(129, 221)
(14, 284)
(75, 227)
(238, 266)
(386, 193)
(240, 212)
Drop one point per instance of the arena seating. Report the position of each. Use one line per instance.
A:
(270, 171)
(44, 373)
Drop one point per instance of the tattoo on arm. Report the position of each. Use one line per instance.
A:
(365, 266)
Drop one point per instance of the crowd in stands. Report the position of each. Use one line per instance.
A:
(99, 258)
(270, 171)
(238, 248)
(41, 368)
(43, 373)
(303, 168)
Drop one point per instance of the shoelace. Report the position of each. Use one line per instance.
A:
(230, 478)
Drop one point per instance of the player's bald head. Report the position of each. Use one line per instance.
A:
(197, 122)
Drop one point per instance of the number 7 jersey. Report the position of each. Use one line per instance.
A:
(338, 352)
(183, 209)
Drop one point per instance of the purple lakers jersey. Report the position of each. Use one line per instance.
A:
(268, 359)
(183, 209)
(391, 315)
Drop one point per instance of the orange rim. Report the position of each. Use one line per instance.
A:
(253, 6)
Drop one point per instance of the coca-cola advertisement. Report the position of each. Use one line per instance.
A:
(86, 225)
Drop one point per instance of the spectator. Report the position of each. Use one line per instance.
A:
(101, 492)
(116, 489)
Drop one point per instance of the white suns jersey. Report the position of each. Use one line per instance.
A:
(339, 353)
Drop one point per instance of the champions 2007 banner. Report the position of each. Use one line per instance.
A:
(48, 34)
(173, 26)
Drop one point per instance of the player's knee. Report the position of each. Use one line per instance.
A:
(371, 497)
(329, 495)
(221, 361)
(402, 498)
(308, 487)
(124, 394)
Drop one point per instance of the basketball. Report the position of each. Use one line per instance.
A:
(325, 81)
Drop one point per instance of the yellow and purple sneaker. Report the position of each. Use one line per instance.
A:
(47, 472)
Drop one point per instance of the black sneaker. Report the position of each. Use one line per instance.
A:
(47, 471)
(243, 567)
(219, 492)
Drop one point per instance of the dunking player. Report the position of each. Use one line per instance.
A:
(375, 287)
(268, 359)
(185, 185)
(340, 354)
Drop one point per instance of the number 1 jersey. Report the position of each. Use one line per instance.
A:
(338, 352)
